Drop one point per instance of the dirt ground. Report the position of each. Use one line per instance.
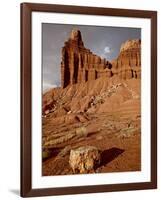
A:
(117, 137)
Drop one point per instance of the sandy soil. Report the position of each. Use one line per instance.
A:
(118, 138)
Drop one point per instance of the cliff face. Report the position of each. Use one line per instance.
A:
(80, 64)
(128, 63)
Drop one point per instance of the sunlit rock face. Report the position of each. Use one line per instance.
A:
(79, 64)
(128, 63)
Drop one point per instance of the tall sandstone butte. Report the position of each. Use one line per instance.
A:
(128, 63)
(79, 64)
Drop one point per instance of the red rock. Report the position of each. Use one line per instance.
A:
(128, 63)
(80, 64)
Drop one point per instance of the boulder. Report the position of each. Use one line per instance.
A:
(84, 159)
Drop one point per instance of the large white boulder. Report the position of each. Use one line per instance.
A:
(84, 159)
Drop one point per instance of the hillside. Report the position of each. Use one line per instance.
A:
(104, 113)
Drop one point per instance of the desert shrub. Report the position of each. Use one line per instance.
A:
(81, 131)
(46, 154)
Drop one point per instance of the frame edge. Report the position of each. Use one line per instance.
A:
(26, 184)
(25, 60)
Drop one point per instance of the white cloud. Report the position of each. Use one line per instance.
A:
(107, 49)
(47, 86)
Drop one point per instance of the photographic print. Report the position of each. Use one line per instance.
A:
(88, 99)
(91, 111)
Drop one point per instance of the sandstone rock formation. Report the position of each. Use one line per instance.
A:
(84, 159)
(97, 107)
(80, 64)
(128, 63)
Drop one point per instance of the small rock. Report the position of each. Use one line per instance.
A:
(69, 112)
(47, 112)
(84, 159)
(99, 137)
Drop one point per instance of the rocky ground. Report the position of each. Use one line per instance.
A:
(101, 113)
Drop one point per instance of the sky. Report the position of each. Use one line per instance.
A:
(102, 41)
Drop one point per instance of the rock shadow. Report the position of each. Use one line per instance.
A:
(110, 154)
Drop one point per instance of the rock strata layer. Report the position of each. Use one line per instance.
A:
(128, 63)
(79, 64)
